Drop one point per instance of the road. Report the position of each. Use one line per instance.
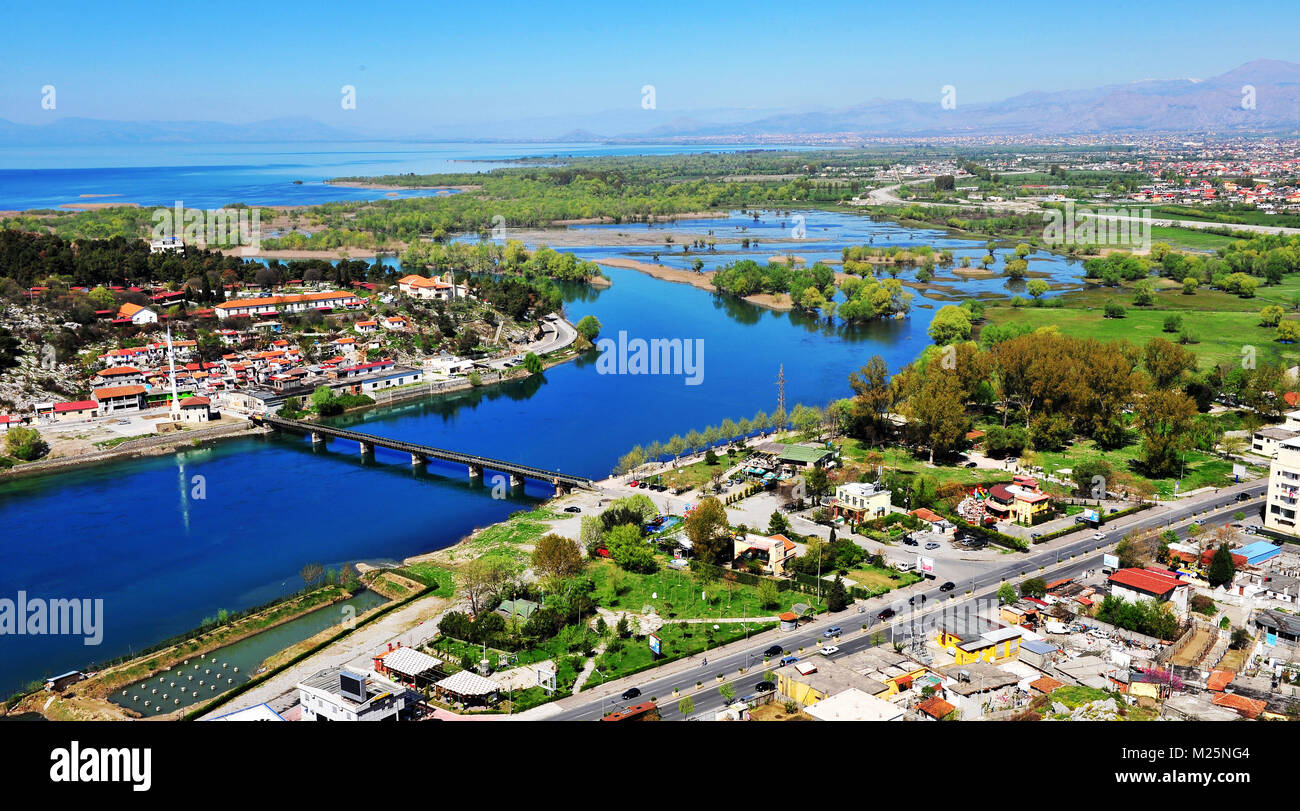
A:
(558, 335)
(1068, 557)
(885, 196)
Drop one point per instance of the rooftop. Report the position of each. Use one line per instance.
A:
(855, 705)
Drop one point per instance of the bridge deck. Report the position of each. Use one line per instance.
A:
(552, 476)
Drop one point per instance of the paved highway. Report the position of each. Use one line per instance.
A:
(1213, 508)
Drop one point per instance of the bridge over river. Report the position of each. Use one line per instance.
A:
(420, 454)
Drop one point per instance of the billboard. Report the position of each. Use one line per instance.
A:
(1092, 515)
(926, 565)
(1110, 560)
(655, 645)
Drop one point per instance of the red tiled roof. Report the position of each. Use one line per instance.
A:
(116, 391)
(118, 371)
(935, 707)
(1152, 582)
(926, 514)
(1248, 707)
(1046, 684)
(1220, 679)
(79, 405)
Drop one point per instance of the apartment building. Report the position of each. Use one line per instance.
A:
(1283, 493)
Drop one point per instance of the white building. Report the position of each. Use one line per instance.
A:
(337, 694)
(1283, 494)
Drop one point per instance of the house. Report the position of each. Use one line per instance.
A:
(299, 302)
(1277, 627)
(523, 609)
(388, 380)
(800, 456)
(1265, 441)
(855, 705)
(977, 688)
(1045, 685)
(195, 409)
(1258, 552)
(1020, 502)
(466, 688)
(7, 422)
(884, 665)
(257, 712)
(931, 519)
(447, 365)
(366, 327)
(1039, 654)
(995, 645)
(118, 376)
(136, 314)
(817, 678)
(422, 287)
(118, 399)
(860, 501)
(169, 244)
(1248, 708)
(57, 684)
(935, 708)
(81, 410)
(1283, 493)
(339, 694)
(1164, 586)
(771, 553)
(395, 323)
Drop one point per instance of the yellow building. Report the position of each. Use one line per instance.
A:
(818, 678)
(991, 646)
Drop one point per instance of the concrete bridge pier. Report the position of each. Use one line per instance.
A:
(417, 459)
(475, 472)
(516, 481)
(562, 489)
(367, 449)
(317, 436)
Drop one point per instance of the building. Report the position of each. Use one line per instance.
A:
(1258, 552)
(1265, 441)
(996, 645)
(337, 694)
(408, 665)
(118, 376)
(1277, 627)
(855, 705)
(7, 422)
(297, 303)
(258, 712)
(931, 519)
(1020, 502)
(137, 314)
(79, 411)
(818, 678)
(978, 688)
(935, 708)
(57, 684)
(119, 399)
(1164, 586)
(806, 456)
(1283, 494)
(169, 244)
(423, 287)
(466, 688)
(772, 554)
(196, 409)
(860, 501)
(1038, 653)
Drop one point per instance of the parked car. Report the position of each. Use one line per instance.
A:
(775, 650)
(643, 485)
(789, 660)
(633, 483)
(765, 686)
(830, 650)
(932, 545)
(971, 464)
(948, 586)
(1243, 496)
(886, 614)
(573, 509)
(631, 693)
(909, 541)
(834, 630)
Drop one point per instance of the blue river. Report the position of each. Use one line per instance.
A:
(131, 534)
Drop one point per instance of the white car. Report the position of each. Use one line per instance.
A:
(1099, 536)
(830, 650)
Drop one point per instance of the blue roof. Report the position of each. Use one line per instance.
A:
(1258, 549)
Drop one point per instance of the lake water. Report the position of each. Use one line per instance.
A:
(212, 176)
(131, 534)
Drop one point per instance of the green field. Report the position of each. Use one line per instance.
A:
(679, 594)
(677, 639)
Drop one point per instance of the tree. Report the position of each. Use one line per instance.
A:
(629, 551)
(588, 327)
(311, 573)
(1270, 316)
(533, 364)
(1007, 593)
(480, 579)
(1114, 309)
(1036, 288)
(686, 706)
(1222, 570)
(873, 397)
(777, 524)
(1189, 286)
(555, 556)
(1164, 419)
(706, 528)
(25, 443)
(1167, 362)
(817, 483)
(837, 598)
(768, 594)
(727, 692)
(936, 410)
(950, 325)
(1288, 332)
(1033, 587)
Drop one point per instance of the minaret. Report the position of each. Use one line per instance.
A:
(171, 366)
(780, 390)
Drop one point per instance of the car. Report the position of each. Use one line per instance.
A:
(633, 483)
(1243, 496)
(830, 650)
(948, 586)
(909, 542)
(1099, 536)
(573, 509)
(631, 693)
(765, 686)
(886, 614)
(834, 630)
(775, 650)
(971, 464)
(789, 660)
(932, 545)
(643, 485)
(1250, 530)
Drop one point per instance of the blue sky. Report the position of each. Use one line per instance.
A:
(422, 65)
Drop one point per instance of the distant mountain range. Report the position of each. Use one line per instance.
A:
(1166, 105)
